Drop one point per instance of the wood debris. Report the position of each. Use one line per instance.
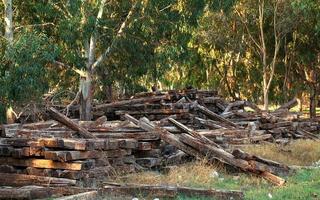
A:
(166, 128)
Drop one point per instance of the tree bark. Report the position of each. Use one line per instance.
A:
(313, 102)
(8, 13)
(268, 69)
(86, 96)
(86, 101)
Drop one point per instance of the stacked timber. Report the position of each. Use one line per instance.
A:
(197, 123)
(234, 123)
(199, 146)
(225, 122)
(71, 161)
(42, 150)
(158, 105)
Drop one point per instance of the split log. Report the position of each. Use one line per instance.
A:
(49, 164)
(168, 111)
(193, 133)
(29, 133)
(128, 143)
(288, 105)
(26, 193)
(169, 191)
(249, 140)
(69, 123)
(275, 167)
(233, 104)
(210, 123)
(64, 156)
(132, 101)
(213, 115)
(23, 179)
(308, 134)
(164, 135)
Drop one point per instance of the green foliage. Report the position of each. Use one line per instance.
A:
(24, 71)
(169, 43)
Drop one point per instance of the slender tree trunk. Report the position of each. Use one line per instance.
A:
(263, 51)
(313, 101)
(88, 91)
(86, 98)
(8, 13)
(268, 69)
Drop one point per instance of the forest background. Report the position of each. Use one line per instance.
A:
(265, 51)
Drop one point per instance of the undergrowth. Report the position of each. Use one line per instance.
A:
(298, 152)
(304, 184)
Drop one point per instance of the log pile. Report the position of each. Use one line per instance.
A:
(34, 153)
(235, 123)
(65, 151)
(197, 145)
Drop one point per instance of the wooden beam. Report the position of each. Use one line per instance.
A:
(48, 164)
(69, 123)
(82, 196)
(165, 135)
(162, 191)
(23, 179)
(64, 156)
(132, 101)
(213, 115)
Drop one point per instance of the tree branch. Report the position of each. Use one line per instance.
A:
(119, 33)
(248, 31)
(34, 25)
(276, 44)
(93, 38)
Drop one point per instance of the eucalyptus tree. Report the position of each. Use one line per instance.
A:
(85, 33)
(24, 55)
(304, 48)
(8, 13)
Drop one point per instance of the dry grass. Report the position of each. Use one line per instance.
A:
(199, 174)
(189, 174)
(299, 152)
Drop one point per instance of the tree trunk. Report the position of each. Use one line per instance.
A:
(8, 13)
(313, 102)
(265, 99)
(8, 20)
(109, 93)
(86, 98)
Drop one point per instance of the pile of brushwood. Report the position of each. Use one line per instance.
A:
(147, 131)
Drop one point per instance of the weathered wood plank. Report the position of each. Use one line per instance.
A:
(48, 164)
(131, 101)
(64, 156)
(23, 179)
(69, 123)
(82, 196)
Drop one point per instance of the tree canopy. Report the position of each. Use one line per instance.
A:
(263, 51)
